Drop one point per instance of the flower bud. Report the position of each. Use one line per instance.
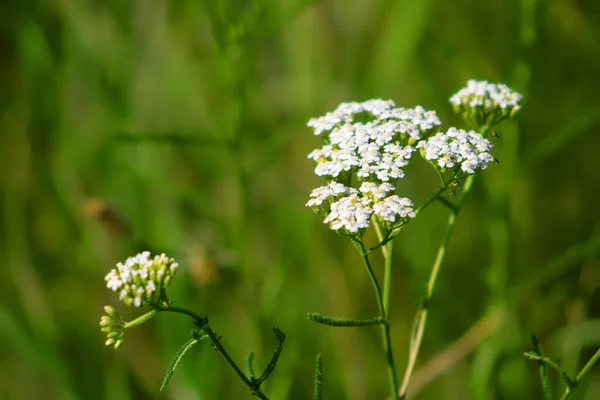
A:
(112, 312)
(106, 321)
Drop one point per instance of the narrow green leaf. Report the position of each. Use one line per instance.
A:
(344, 323)
(250, 366)
(280, 336)
(175, 361)
(318, 377)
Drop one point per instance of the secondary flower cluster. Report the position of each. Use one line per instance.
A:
(140, 277)
(457, 146)
(486, 103)
(351, 209)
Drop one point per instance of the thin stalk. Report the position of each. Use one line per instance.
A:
(387, 280)
(422, 312)
(202, 322)
(432, 198)
(537, 351)
(387, 252)
(547, 390)
(581, 374)
(383, 303)
(383, 240)
(363, 252)
(387, 284)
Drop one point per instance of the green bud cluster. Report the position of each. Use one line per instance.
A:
(113, 325)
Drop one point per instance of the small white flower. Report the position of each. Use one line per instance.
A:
(351, 213)
(456, 146)
(328, 192)
(392, 207)
(377, 191)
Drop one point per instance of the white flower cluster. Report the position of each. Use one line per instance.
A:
(140, 276)
(375, 149)
(351, 209)
(372, 140)
(487, 97)
(457, 146)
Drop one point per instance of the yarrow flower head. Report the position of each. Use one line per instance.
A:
(141, 279)
(350, 210)
(484, 103)
(457, 149)
(372, 141)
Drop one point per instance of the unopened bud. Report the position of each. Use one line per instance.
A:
(112, 312)
(107, 321)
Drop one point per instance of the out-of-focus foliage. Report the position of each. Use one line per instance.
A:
(180, 127)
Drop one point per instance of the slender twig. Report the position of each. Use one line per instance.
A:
(383, 240)
(581, 374)
(547, 390)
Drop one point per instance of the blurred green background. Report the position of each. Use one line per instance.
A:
(181, 127)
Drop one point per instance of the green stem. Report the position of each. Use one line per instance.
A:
(139, 320)
(387, 281)
(421, 315)
(383, 302)
(432, 198)
(363, 252)
(383, 240)
(546, 389)
(422, 312)
(581, 374)
(387, 284)
(202, 322)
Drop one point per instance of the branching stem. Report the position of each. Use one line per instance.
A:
(423, 310)
(202, 323)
